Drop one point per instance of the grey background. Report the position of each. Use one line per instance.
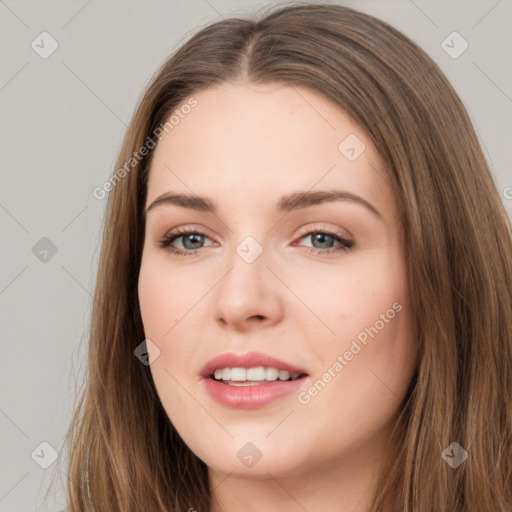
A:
(63, 119)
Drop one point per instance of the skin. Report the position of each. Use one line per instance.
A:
(244, 146)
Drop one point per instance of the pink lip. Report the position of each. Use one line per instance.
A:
(248, 397)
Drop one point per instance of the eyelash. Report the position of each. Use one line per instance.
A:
(165, 243)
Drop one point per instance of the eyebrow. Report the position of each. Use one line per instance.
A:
(287, 203)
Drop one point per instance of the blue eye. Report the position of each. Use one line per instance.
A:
(323, 237)
(190, 238)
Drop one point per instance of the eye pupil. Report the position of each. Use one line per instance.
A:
(320, 237)
(187, 238)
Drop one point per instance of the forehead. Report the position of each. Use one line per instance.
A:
(257, 141)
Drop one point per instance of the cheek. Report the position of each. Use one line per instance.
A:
(166, 296)
(165, 299)
(371, 355)
(351, 296)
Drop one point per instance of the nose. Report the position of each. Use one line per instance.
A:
(248, 295)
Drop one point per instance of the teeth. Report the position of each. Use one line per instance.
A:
(258, 373)
(246, 376)
(238, 374)
(271, 374)
(284, 375)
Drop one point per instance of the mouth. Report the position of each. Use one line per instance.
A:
(254, 376)
(250, 380)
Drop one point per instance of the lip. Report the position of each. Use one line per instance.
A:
(253, 396)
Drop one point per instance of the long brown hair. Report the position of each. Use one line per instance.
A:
(124, 454)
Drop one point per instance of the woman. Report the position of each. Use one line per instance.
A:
(304, 293)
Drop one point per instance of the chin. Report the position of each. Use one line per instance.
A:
(247, 457)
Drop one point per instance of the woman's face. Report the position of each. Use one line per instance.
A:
(295, 255)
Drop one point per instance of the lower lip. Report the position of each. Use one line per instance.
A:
(252, 396)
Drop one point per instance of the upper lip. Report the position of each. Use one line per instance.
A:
(247, 360)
